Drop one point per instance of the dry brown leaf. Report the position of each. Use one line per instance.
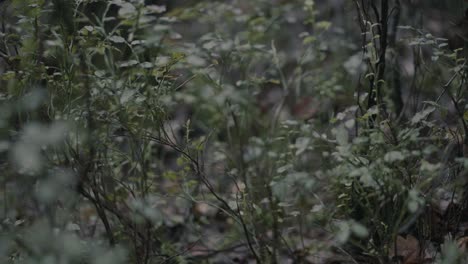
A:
(203, 209)
(306, 108)
(198, 250)
(408, 249)
(462, 243)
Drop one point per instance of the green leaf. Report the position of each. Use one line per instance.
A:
(359, 230)
(465, 115)
(418, 117)
(344, 232)
(301, 144)
(342, 136)
(393, 156)
(126, 96)
(117, 39)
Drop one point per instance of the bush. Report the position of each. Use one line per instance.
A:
(249, 131)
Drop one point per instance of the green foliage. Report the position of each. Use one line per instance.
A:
(205, 131)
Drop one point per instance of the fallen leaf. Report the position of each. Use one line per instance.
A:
(462, 243)
(306, 108)
(203, 209)
(408, 249)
